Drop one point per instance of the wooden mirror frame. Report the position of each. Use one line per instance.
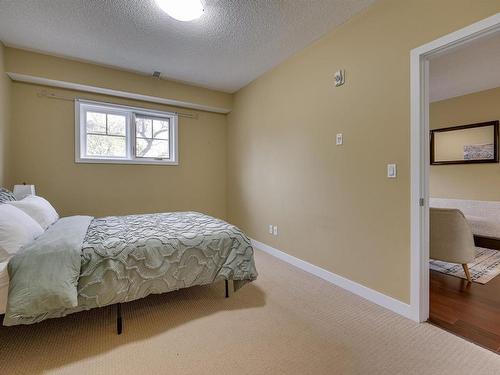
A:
(461, 127)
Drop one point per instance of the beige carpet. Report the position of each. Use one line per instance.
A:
(287, 322)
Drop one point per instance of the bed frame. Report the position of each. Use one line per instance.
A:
(119, 319)
(487, 242)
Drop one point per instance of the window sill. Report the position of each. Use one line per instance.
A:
(125, 161)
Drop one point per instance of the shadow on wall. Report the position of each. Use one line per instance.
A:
(44, 346)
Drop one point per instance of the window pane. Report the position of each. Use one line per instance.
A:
(144, 127)
(105, 145)
(116, 125)
(125, 134)
(96, 122)
(148, 148)
(160, 129)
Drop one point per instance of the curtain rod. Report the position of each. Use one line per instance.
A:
(50, 95)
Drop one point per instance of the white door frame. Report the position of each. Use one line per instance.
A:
(419, 163)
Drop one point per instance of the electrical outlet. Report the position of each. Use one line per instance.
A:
(270, 229)
(275, 230)
(339, 139)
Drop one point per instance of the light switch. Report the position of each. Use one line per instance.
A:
(270, 229)
(275, 230)
(339, 139)
(391, 171)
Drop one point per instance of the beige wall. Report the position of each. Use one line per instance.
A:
(4, 115)
(42, 144)
(333, 205)
(42, 153)
(473, 181)
(56, 68)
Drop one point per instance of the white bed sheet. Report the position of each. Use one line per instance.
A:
(4, 286)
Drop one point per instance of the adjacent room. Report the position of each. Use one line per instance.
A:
(249, 187)
(464, 114)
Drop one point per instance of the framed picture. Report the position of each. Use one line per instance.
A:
(465, 144)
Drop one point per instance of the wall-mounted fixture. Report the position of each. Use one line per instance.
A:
(392, 171)
(273, 229)
(182, 10)
(156, 74)
(22, 191)
(339, 77)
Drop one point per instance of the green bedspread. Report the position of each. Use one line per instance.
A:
(122, 259)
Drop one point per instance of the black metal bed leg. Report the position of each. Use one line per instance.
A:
(227, 288)
(119, 323)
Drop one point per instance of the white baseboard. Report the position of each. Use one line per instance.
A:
(371, 295)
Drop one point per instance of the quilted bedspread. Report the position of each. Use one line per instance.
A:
(124, 258)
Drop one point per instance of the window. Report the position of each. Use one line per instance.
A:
(151, 137)
(108, 133)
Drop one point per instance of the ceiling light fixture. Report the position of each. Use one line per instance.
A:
(182, 10)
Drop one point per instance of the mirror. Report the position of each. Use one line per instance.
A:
(465, 144)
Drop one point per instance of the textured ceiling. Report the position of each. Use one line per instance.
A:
(468, 68)
(234, 42)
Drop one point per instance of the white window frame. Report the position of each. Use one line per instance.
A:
(81, 108)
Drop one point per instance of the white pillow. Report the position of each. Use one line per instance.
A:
(16, 230)
(38, 208)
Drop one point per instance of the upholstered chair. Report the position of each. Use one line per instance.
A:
(451, 238)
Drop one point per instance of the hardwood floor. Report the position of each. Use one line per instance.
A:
(471, 311)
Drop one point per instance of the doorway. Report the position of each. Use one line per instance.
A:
(420, 154)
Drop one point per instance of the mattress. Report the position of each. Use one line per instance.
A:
(483, 226)
(4, 286)
(483, 216)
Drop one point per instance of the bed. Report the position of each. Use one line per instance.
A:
(4, 286)
(80, 262)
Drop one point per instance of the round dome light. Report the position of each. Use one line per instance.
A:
(182, 10)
